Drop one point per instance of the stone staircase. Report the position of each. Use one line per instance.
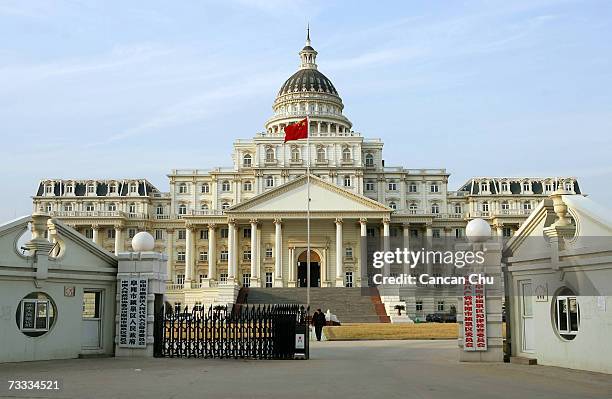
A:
(351, 305)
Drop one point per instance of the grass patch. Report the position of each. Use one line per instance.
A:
(388, 331)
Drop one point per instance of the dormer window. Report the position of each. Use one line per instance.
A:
(525, 187)
(549, 187)
(133, 188)
(246, 160)
(90, 188)
(369, 160)
(69, 189)
(504, 186)
(49, 189)
(112, 188)
(568, 186)
(484, 186)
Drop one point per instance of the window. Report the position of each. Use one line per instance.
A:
(435, 208)
(506, 232)
(269, 155)
(49, 189)
(246, 161)
(48, 207)
(132, 208)
(180, 279)
(485, 206)
(320, 154)
(458, 208)
(89, 233)
(131, 233)
(247, 186)
(225, 205)
(459, 232)
(91, 188)
(369, 186)
(434, 188)
(268, 252)
(348, 279)
(525, 187)
(159, 234)
(412, 188)
(224, 233)
(419, 305)
(203, 256)
(568, 186)
(35, 314)
(202, 277)
(89, 207)
(269, 181)
(392, 186)
(504, 186)
(295, 154)
(435, 233)
(203, 234)
(182, 188)
(484, 186)
(133, 188)
(370, 232)
(346, 154)
(347, 181)
(246, 232)
(412, 208)
(159, 209)
(225, 186)
(392, 205)
(68, 207)
(70, 189)
(180, 256)
(112, 207)
(567, 314)
(369, 160)
(548, 187)
(246, 280)
(182, 210)
(246, 255)
(527, 205)
(204, 207)
(269, 279)
(440, 306)
(348, 252)
(110, 233)
(182, 234)
(205, 188)
(223, 256)
(223, 278)
(113, 188)
(505, 206)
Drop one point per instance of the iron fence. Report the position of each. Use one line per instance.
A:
(242, 332)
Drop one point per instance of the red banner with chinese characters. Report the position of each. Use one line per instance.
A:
(474, 318)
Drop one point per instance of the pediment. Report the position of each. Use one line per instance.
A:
(325, 197)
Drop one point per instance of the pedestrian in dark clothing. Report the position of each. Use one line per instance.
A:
(318, 321)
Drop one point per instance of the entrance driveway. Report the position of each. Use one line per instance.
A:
(355, 369)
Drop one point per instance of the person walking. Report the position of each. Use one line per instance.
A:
(318, 321)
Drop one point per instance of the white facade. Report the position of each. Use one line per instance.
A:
(559, 267)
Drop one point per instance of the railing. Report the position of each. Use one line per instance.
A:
(502, 212)
(175, 287)
(88, 214)
(251, 332)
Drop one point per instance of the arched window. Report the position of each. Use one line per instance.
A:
(347, 181)
(320, 154)
(183, 188)
(225, 205)
(369, 160)
(458, 208)
(269, 181)
(204, 207)
(205, 188)
(295, 154)
(159, 210)
(346, 154)
(485, 206)
(392, 205)
(269, 155)
(247, 186)
(182, 209)
(413, 208)
(225, 185)
(435, 208)
(246, 161)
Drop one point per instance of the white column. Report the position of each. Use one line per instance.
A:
(254, 255)
(292, 282)
(189, 255)
(232, 254)
(407, 246)
(428, 242)
(212, 252)
(278, 253)
(363, 254)
(386, 245)
(339, 262)
(118, 239)
(169, 253)
(96, 234)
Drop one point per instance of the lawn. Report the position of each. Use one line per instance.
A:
(383, 331)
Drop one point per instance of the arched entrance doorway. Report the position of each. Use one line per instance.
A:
(315, 270)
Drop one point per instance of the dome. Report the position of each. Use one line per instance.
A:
(311, 79)
(143, 242)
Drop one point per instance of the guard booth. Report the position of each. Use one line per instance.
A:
(242, 332)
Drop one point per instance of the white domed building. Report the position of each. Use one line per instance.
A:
(244, 225)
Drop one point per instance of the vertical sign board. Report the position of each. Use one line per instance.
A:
(474, 318)
(133, 313)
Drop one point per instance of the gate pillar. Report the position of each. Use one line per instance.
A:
(141, 285)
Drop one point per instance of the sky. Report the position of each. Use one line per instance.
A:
(104, 89)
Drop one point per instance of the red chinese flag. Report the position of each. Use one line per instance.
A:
(297, 130)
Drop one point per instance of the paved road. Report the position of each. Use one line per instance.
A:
(363, 369)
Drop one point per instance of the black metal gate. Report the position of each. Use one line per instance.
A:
(245, 331)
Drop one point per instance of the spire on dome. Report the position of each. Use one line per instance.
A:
(308, 55)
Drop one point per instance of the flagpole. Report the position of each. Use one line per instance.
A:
(308, 214)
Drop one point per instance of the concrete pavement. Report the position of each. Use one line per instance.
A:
(357, 369)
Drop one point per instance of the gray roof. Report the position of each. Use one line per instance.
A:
(311, 79)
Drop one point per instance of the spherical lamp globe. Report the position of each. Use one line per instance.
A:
(478, 230)
(143, 242)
